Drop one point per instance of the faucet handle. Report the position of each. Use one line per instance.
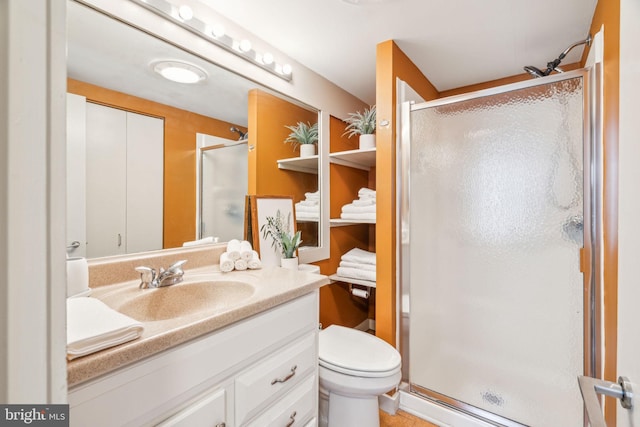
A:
(147, 276)
(177, 266)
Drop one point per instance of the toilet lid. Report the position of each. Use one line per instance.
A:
(353, 350)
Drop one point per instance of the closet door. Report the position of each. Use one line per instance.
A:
(106, 180)
(145, 166)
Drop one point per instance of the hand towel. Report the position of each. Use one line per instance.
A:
(240, 264)
(93, 326)
(203, 241)
(77, 278)
(226, 263)
(364, 202)
(356, 273)
(359, 216)
(307, 208)
(360, 256)
(245, 250)
(233, 249)
(366, 193)
(350, 208)
(361, 266)
(254, 263)
(310, 216)
(308, 203)
(312, 196)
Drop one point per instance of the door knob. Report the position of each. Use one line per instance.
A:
(590, 387)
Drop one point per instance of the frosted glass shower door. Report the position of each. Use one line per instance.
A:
(225, 180)
(495, 228)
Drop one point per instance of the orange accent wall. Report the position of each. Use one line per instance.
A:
(607, 13)
(391, 64)
(180, 128)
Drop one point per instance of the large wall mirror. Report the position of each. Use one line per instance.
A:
(137, 143)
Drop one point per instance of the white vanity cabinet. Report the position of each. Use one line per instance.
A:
(260, 371)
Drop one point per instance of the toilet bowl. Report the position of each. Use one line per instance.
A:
(355, 368)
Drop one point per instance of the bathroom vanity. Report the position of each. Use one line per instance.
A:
(252, 363)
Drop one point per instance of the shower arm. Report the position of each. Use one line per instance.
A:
(553, 65)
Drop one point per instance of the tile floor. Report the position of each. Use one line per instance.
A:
(402, 419)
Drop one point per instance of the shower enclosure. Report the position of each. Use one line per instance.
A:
(496, 208)
(222, 183)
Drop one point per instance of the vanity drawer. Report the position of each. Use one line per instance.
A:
(209, 410)
(275, 375)
(293, 409)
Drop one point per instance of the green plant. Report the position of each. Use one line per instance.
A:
(302, 133)
(361, 123)
(280, 232)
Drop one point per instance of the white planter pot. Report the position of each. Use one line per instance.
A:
(367, 141)
(289, 263)
(307, 150)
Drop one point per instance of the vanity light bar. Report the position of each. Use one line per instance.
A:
(242, 48)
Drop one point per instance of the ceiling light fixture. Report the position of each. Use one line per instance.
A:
(216, 34)
(179, 71)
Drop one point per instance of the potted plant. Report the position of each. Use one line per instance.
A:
(364, 125)
(305, 135)
(282, 239)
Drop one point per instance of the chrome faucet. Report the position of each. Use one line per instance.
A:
(168, 277)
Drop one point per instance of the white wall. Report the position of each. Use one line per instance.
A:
(629, 204)
(32, 201)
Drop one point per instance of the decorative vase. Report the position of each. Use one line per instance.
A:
(289, 263)
(367, 141)
(307, 150)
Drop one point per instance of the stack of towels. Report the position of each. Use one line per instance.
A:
(93, 326)
(358, 264)
(309, 208)
(362, 208)
(203, 241)
(239, 256)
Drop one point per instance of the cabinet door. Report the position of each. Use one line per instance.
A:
(209, 411)
(106, 180)
(76, 174)
(145, 166)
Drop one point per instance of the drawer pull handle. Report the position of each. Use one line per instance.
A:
(287, 378)
(292, 419)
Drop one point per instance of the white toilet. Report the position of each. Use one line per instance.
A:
(355, 368)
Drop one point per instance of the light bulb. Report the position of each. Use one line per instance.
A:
(245, 45)
(185, 12)
(217, 30)
(267, 58)
(286, 69)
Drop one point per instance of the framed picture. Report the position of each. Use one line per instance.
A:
(257, 209)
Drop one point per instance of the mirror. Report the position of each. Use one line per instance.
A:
(110, 64)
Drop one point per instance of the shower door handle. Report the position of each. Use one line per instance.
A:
(590, 387)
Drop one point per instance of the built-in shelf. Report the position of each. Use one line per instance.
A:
(307, 219)
(300, 164)
(359, 159)
(339, 222)
(336, 278)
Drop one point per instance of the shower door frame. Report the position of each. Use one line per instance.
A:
(591, 253)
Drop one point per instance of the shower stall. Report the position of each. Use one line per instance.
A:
(498, 227)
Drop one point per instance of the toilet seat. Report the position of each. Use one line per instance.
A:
(356, 353)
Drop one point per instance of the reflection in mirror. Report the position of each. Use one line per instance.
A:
(111, 64)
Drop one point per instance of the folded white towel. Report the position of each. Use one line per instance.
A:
(361, 266)
(233, 249)
(254, 263)
(308, 203)
(350, 208)
(313, 196)
(245, 250)
(311, 216)
(356, 273)
(358, 216)
(360, 256)
(202, 241)
(303, 208)
(364, 202)
(226, 263)
(240, 264)
(366, 193)
(93, 326)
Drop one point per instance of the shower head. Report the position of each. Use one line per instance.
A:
(553, 65)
